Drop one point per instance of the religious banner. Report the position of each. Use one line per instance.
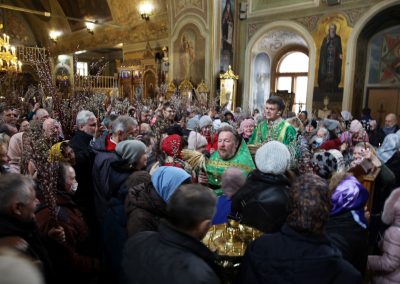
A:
(331, 37)
(227, 33)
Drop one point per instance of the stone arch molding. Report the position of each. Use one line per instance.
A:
(348, 86)
(249, 58)
(191, 18)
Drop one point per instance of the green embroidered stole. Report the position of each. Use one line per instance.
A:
(282, 132)
(216, 166)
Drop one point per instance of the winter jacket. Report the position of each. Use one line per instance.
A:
(167, 256)
(291, 257)
(144, 208)
(262, 202)
(385, 268)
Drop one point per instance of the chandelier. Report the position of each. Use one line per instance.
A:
(8, 58)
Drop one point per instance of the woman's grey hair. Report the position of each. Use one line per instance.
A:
(83, 116)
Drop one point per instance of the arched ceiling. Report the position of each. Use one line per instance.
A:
(112, 17)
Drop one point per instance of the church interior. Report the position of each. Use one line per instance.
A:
(139, 49)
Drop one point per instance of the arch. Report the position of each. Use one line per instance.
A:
(286, 25)
(198, 22)
(348, 85)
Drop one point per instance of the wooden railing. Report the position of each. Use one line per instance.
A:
(95, 82)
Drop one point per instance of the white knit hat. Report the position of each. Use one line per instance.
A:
(273, 158)
(196, 141)
(205, 120)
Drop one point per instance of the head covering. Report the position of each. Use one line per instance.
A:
(350, 195)
(172, 145)
(373, 124)
(346, 115)
(15, 152)
(314, 123)
(193, 123)
(196, 141)
(310, 204)
(55, 154)
(167, 179)
(273, 158)
(246, 123)
(232, 179)
(130, 150)
(327, 163)
(205, 120)
(355, 126)
(390, 145)
(330, 124)
(217, 124)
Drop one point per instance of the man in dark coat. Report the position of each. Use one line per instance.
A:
(300, 252)
(84, 157)
(18, 229)
(123, 128)
(175, 254)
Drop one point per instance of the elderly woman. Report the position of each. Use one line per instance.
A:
(354, 135)
(246, 129)
(385, 268)
(388, 153)
(146, 202)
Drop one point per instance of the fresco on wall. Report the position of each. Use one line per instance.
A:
(189, 55)
(331, 38)
(384, 65)
(227, 33)
(261, 79)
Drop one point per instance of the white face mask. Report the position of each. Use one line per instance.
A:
(74, 187)
(319, 140)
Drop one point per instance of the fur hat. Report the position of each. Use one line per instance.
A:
(196, 141)
(205, 120)
(273, 157)
(392, 207)
(130, 150)
(327, 163)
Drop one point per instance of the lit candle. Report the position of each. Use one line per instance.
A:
(13, 50)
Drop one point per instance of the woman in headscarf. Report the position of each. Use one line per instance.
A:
(172, 146)
(62, 152)
(15, 152)
(354, 135)
(246, 129)
(146, 202)
(74, 262)
(389, 154)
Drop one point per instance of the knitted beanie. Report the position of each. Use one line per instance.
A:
(273, 157)
(193, 123)
(205, 120)
(327, 163)
(355, 126)
(196, 141)
(130, 150)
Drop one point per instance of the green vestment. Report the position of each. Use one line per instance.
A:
(279, 130)
(216, 166)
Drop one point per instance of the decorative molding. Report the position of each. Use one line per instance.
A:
(310, 22)
(252, 29)
(354, 14)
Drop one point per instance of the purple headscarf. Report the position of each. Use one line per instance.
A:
(350, 195)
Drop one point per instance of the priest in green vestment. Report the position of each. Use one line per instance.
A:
(274, 128)
(232, 152)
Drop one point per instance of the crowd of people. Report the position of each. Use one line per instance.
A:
(129, 197)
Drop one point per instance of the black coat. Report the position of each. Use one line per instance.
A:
(84, 157)
(28, 232)
(262, 202)
(167, 256)
(290, 257)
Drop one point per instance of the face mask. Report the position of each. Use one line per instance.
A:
(74, 187)
(318, 140)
